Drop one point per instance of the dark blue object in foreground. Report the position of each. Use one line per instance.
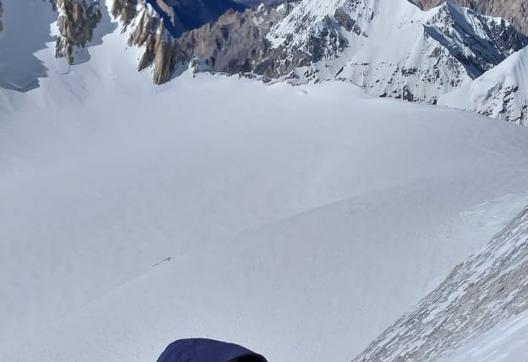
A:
(207, 350)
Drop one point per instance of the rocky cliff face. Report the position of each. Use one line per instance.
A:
(169, 42)
(487, 288)
(147, 30)
(515, 11)
(180, 16)
(76, 22)
(236, 42)
(125, 11)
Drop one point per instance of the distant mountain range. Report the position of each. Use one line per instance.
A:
(390, 48)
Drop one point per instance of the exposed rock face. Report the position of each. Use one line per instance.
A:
(236, 42)
(487, 288)
(183, 15)
(154, 28)
(125, 11)
(76, 23)
(514, 10)
(147, 30)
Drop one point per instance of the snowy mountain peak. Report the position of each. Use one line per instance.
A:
(499, 93)
(392, 48)
(313, 19)
(513, 10)
(479, 42)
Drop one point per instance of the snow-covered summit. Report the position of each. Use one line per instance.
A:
(479, 42)
(392, 48)
(501, 93)
(513, 10)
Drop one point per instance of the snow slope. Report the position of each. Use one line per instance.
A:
(506, 342)
(487, 290)
(300, 229)
(499, 93)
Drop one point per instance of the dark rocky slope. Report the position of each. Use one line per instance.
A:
(234, 43)
(180, 16)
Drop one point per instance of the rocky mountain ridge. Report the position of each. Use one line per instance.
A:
(486, 289)
(443, 55)
(391, 48)
(231, 44)
(499, 93)
(76, 22)
(388, 47)
(515, 11)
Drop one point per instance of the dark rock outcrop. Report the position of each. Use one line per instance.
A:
(125, 11)
(76, 23)
(147, 30)
(234, 43)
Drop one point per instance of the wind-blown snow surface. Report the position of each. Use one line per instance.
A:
(299, 221)
(505, 342)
